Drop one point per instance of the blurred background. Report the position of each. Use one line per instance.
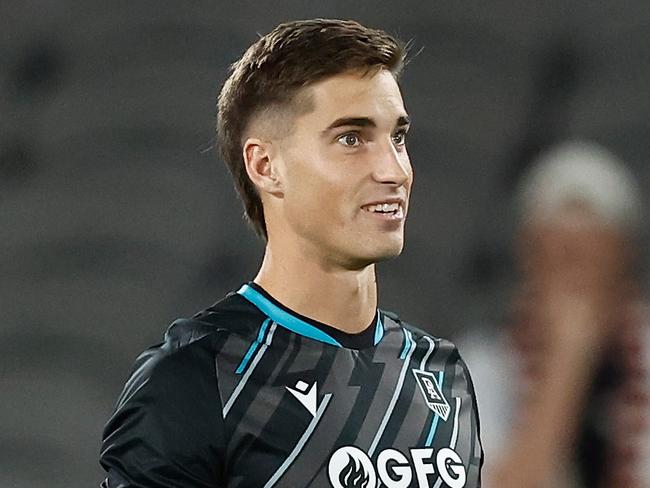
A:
(117, 215)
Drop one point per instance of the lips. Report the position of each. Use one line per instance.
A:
(400, 200)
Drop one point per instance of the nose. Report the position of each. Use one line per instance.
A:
(392, 165)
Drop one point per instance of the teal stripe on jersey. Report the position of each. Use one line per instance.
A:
(379, 330)
(249, 371)
(285, 319)
(254, 345)
(436, 417)
(407, 343)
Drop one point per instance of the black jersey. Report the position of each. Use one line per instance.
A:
(249, 394)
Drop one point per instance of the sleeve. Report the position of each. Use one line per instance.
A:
(476, 422)
(167, 427)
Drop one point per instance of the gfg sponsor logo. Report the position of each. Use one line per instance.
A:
(350, 467)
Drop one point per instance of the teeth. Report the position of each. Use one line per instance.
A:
(383, 207)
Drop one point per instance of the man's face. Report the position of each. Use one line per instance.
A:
(346, 154)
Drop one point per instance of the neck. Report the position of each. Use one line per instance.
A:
(342, 298)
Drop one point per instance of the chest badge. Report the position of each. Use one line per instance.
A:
(432, 392)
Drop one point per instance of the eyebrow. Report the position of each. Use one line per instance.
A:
(402, 121)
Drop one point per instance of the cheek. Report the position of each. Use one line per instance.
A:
(323, 209)
(320, 191)
(313, 201)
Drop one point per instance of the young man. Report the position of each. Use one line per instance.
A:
(298, 379)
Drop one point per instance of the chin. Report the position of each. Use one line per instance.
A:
(360, 253)
(383, 253)
(390, 255)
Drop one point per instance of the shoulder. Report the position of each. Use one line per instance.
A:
(437, 352)
(233, 314)
(168, 413)
(418, 334)
(187, 354)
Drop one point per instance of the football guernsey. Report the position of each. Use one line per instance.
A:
(250, 394)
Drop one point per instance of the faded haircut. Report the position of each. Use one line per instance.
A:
(267, 82)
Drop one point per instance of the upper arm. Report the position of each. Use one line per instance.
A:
(476, 422)
(167, 428)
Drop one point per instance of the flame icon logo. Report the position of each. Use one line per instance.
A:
(353, 475)
(350, 467)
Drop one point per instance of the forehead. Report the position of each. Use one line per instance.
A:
(351, 94)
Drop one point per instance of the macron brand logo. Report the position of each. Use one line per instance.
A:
(306, 395)
(432, 393)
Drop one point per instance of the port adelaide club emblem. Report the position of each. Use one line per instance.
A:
(432, 393)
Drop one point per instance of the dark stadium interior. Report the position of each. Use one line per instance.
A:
(118, 216)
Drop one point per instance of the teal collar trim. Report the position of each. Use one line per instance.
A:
(295, 324)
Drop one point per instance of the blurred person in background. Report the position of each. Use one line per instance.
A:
(563, 387)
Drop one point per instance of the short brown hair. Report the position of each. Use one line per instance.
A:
(276, 67)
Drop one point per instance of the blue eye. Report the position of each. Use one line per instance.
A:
(349, 140)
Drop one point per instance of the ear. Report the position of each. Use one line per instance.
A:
(261, 165)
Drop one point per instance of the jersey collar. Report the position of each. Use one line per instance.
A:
(297, 323)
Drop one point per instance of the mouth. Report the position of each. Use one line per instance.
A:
(389, 210)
